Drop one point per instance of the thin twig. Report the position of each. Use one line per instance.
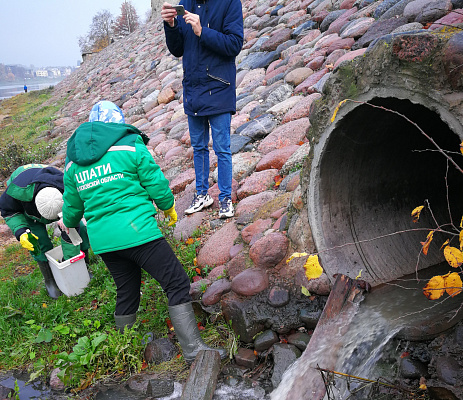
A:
(385, 236)
(424, 309)
(416, 126)
(447, 191)
(456, 312)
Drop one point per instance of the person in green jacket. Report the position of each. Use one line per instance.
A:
(111, 179)
(32, 200)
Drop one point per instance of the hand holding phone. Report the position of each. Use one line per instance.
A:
(169, 12)
(180, 9)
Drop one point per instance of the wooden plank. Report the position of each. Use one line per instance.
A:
(204, 372)
(304, 381)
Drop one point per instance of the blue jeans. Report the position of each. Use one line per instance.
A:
(199, 135)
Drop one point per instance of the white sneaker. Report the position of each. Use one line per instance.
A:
(226, 208)
(198, 203)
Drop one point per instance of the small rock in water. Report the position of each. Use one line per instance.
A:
(160, 388)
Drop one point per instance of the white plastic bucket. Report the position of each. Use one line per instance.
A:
(71, 275)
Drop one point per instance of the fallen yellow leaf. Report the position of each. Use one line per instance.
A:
(359, 274)
(453, 284)
(44, 305)
(453, 256)
(305, 291)
(435, 288)
(416, 213)
(295, 255)
(337, 109)
(423, 383)
(313, 269)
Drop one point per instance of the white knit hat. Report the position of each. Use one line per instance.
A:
(49, 202)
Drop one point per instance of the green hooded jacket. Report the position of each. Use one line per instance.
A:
(112, 180)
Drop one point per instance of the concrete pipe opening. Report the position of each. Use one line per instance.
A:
(374, 169)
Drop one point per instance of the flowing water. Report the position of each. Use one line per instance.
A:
(363, 348)
(222, 392)
(38, 390)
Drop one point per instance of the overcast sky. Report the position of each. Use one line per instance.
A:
(45, 32)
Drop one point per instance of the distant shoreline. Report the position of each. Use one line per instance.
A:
(10, 89)
(29, 81)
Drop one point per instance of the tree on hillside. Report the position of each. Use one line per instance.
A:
(3, 72)
(101, 33)
(128, 21)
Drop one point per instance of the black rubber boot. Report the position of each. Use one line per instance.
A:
(50, 284)
(87, 262)
(123, 321)
(87, 258)
(183, 319)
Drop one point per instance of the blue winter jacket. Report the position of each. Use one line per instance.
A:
(209, 71)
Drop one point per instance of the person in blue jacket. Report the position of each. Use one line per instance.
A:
(209, 36)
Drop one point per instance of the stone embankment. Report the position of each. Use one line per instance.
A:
(291, 49)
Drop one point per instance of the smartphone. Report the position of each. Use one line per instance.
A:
(180, 9)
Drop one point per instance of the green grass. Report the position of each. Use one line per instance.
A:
(77, 333)
(28, 120)
(37, 329)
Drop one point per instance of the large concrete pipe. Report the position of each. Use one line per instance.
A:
(371, 167)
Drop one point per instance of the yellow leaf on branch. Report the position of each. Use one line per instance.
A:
(461, 147)
(295, 255)
(416, 213)
(435, 288)
(313, 269)
(445, 244)
(337, 109)
(453, 256)
(453, 284)
(461, 240)
(427, 242)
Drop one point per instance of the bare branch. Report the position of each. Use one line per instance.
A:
(416, 126)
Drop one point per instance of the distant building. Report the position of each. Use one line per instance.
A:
(54, 72)
(43, 73)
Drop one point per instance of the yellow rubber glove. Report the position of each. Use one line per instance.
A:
(24, 240)
(172, 214)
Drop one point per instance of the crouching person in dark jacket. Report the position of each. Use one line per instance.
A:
(33, 199)
(112, 180)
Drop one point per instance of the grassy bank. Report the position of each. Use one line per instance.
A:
(25, 124)
(76, 334)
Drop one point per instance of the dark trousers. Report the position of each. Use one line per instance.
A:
(156, 258)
